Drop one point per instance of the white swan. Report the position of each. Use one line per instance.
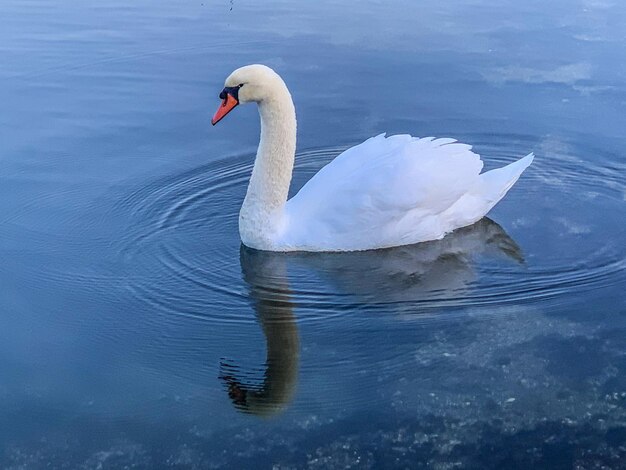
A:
(387, 191)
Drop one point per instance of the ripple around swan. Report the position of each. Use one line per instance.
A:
(183, 248)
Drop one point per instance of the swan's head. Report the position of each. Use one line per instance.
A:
(252, 83)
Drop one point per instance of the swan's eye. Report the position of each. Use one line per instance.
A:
(240, 85)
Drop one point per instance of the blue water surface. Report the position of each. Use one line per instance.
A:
(136, 331)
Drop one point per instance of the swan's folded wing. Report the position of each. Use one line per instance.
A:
(382, 183)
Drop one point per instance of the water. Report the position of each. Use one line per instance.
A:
(136, 331)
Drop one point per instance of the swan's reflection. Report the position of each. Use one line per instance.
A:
(265, 273)
(426, 270)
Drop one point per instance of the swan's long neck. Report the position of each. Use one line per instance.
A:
(262, 213)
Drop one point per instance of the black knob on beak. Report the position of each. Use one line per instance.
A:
(232, 91)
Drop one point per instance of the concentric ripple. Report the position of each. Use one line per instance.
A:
(565, 234)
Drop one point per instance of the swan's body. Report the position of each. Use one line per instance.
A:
(387, 191)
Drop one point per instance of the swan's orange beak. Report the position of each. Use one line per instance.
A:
(228, 104)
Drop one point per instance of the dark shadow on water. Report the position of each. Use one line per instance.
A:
(431, 269)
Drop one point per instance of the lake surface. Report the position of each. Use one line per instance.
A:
(136, 332)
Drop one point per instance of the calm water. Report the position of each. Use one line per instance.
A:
(135, 331)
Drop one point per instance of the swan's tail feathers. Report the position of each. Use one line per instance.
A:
(496, 183)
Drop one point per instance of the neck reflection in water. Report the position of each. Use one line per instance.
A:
(265, 273)
(431, 270)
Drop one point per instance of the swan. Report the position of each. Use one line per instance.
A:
(384, 192)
